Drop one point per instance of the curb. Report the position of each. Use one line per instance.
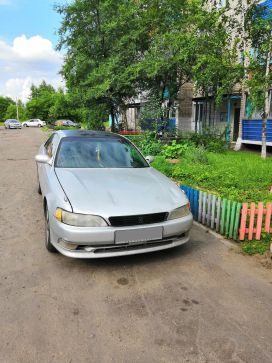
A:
(226, 242)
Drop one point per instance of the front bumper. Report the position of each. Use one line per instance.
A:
(100, 242)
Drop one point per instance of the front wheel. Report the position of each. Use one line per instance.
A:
(39, 188)
(48, 243)
(39, 125)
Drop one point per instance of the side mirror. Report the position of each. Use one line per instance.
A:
(43, 159)
(149, 159)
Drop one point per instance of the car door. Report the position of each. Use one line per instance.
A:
(34, 123)
(44, 170)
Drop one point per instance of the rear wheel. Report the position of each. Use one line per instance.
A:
(48, 243)
(25, 125)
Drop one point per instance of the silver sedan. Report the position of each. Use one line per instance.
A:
(101, 198)
(12, 124)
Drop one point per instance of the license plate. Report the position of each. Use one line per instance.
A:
(138, 235)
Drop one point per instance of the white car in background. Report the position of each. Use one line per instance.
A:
(34, 123)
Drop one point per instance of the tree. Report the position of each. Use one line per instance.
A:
(216, 70)
(102, 40)
(11, 111)
(4, 104)
(42, 98)
(117, 50)
(259, 29)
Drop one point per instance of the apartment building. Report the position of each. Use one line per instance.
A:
(234, 116)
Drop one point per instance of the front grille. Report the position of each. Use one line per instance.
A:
(132, 247)
(138, 220)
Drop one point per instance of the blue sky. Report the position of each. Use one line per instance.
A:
(29, 17)
(27, 46)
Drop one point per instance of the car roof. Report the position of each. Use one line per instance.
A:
(87, 133)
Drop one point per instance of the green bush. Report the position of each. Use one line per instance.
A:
(210, 141)
(197, 155)
(146, 143)
(174, 150)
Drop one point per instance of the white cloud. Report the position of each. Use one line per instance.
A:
(27, 61)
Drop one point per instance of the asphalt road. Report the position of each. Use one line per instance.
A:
(203, 302)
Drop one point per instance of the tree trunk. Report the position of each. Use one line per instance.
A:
(112, 120)
(266, 109)
(242, 112)
(246, 62)
(264, 122)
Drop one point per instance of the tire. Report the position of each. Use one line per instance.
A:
(25, 125)
(48, 243)
(39, 185)
(39, 125)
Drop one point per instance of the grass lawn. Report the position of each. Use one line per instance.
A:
(239, 176)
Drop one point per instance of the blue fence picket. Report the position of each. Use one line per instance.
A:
(193, 196)
(195, 203)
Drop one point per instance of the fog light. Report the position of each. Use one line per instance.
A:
(67, 245)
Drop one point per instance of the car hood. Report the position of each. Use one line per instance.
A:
(116, 192)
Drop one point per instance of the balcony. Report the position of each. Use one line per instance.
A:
(252, 132)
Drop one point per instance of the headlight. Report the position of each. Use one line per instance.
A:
(79, 220)
(180, 212)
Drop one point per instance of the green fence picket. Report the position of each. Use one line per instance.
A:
(227, 223)
(237, 221)
(218, 214)
(232, 219)
(222, 219)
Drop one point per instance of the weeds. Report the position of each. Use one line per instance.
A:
(257, 247)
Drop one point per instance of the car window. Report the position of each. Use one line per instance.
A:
(50, 145)
(102, 152)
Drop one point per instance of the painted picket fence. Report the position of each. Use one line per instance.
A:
(219, 214)
(193, 196)
(255, 220)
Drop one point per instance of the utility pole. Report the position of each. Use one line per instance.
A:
(17, 108)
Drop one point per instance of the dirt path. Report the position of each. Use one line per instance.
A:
(200, 303)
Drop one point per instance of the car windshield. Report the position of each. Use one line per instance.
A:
(13, 121)
(98, 152)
